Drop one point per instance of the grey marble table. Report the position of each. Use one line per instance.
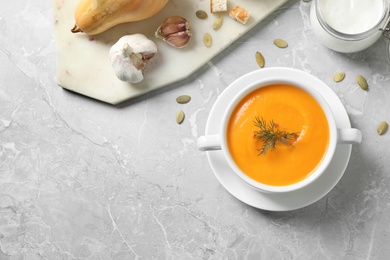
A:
(81, 179)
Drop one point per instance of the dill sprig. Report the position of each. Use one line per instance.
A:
(271, 135)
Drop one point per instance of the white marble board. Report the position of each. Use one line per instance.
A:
(83, 65)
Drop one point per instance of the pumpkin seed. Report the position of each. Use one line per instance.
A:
(382, 128)
(218, 23)
(260, 59)
(201, 14)
(280, 43)
(339, 76)
(362, 82)
(207, 40)
(183, 99)
(180, 116)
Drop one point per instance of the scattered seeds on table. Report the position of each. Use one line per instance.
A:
(201, 14)
(362, 82)
(260, 59)
(207, 40)
(180, 116)
(382, 128)
(183, 99)
(218, 23)
(280, 43)
(339, 76)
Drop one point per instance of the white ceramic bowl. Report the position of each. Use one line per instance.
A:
(298, 79)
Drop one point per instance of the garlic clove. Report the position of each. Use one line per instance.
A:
(175, 30)
(179, 39)
(173, 24)
(130, 55)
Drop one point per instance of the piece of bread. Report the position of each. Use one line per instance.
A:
(240, 14)
(218, 6)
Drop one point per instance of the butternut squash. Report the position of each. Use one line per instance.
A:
(96, 16)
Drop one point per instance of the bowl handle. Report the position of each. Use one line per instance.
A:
(209, 143)
(349, 136)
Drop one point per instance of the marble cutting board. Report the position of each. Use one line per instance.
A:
(83, 65)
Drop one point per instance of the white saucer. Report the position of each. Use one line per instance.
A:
(286, 201)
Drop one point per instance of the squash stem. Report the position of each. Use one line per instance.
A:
(76, 29)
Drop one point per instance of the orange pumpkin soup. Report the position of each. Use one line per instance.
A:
(293, 110)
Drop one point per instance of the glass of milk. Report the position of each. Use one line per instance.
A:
(349, 25)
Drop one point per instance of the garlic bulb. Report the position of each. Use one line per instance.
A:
(130, 55)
